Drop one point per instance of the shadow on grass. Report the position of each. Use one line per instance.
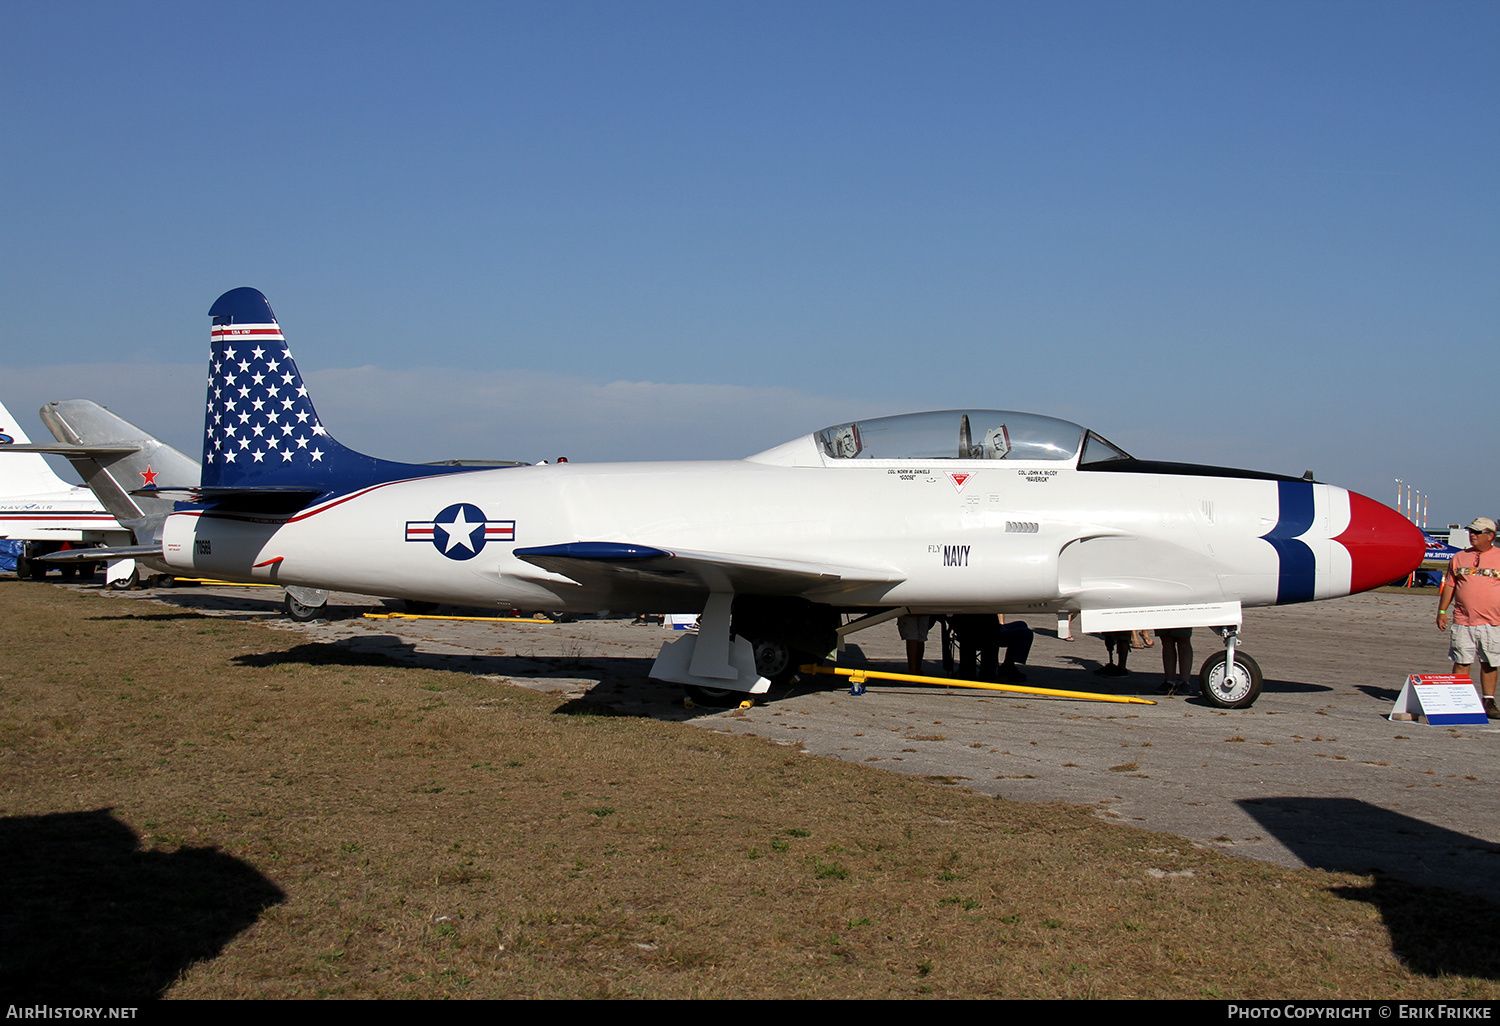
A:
(150, 616)
(391, 650)
(594, 707)
(1427, 876)
(1435, 931)
(88, 918)
(334, 653)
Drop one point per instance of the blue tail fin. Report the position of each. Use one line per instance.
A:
(261, 431)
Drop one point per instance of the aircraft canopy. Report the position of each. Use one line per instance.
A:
(964, 435)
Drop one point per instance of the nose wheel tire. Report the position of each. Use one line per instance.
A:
(1237, 690)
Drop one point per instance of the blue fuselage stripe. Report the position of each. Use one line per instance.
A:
(1298, 564)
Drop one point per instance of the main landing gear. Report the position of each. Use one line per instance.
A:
(775, 660)
(781, 633)
(305, 604)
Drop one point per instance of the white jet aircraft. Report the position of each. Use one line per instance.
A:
(957, 511)
(41, 509)
(115, 459)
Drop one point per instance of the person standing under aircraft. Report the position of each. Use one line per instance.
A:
(1117, 644)
(1472, 584)
(1176, 660)
(914, 632)
(980, 638)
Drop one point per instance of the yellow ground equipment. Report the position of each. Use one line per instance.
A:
(857, 680)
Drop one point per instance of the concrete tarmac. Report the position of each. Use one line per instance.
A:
(1314, 774)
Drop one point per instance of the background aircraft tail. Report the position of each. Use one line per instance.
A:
(24, 473)
(261, 433)
(116, 459)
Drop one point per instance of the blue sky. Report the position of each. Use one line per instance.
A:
(1259, 234)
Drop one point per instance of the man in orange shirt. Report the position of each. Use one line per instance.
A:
(1472, 584)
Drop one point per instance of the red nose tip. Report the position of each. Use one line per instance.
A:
(1383, 545)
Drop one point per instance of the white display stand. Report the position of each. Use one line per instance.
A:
(1444, 698)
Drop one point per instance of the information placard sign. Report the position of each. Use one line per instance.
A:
(1441, 697)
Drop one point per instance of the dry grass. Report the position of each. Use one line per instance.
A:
(205, 809)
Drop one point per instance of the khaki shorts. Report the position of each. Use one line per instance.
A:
(914, 628)
(1482, 640)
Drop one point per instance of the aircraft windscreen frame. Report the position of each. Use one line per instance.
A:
(965, 435)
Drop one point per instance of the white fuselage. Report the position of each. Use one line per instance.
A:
(940, 535)
(72, 516)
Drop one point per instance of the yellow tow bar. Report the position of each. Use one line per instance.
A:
(482, 619)
(857, 679)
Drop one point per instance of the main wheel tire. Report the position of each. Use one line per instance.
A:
(125, 583)
(718, 698)
(302, 613)
(777, 661)
(773, 660)
(1242, 687)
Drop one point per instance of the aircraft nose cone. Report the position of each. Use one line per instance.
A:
(1383, 545)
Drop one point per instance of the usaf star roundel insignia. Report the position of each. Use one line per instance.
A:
(460, 531)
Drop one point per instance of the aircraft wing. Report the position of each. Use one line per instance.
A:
(102, 554)
(603, 564)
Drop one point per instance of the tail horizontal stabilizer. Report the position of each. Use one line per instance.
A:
(123, 464)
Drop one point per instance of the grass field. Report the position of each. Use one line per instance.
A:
(199, 808)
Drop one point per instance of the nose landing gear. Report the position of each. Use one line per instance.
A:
(1230, 679)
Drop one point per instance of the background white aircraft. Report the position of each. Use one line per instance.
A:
(957, 511)
(115, 458)
(41, 509)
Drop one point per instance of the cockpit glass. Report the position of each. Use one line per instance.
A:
(954, 435)
(1097, 450)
